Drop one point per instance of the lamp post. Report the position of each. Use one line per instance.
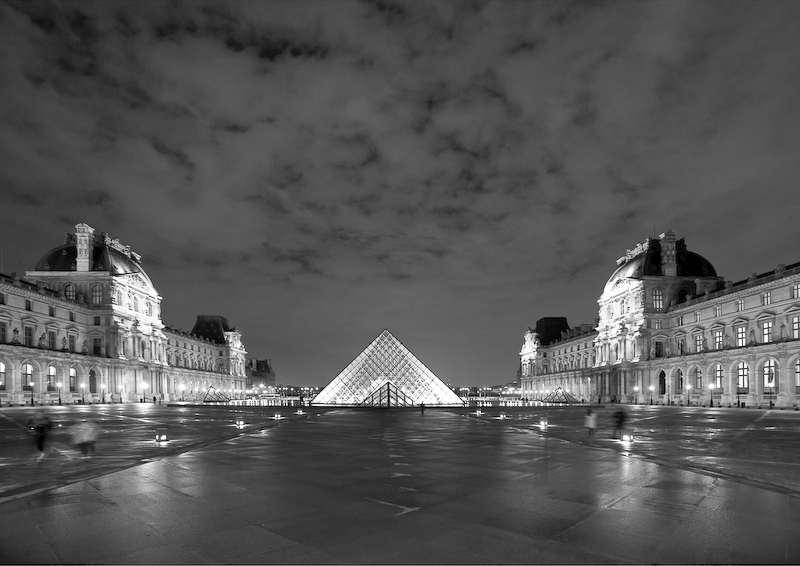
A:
(32, 394)
(59, 392)
(711, 394)
(83, 393)
(635, 394)
(688, 395)
(183, 388)
(651, 394)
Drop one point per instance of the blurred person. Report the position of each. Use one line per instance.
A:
(84, 436)
(619, 423)
(40, 424)
(590, 421)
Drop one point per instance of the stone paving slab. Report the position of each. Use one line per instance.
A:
(359, 487)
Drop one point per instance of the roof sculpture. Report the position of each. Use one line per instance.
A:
(386, 374)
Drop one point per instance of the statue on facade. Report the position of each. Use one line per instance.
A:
(783, 332)
(726, 341)
(752, 336)
(85, 348)
(15, 340)
(705, 344)
(42, 340)
(652, 350)
(63, 343)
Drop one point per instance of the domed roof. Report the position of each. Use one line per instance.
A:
(648, 262)
(104, 258)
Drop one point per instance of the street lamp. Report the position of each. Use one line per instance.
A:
(59, 392)
(651, 394)
(83, 393)
(688, 395)
(32, 394)
(635, 394)
(183, 388)
(711, 394)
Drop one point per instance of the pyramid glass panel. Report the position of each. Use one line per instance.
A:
(386, 361)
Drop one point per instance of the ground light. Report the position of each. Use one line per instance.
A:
(627, 437)
(543, 422)
(161, 436)
(239, 423)
(478, 413)
(277, 416)
(299, 411)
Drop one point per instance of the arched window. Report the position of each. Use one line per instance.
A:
(742, 375)
(698, 378)
(680, 380)
(770, 371)
(662, 383)
(2, 376)
(92, 381)
(97, 294)
(69, 291)
(719, 373)
(51, 378)
(73, 379)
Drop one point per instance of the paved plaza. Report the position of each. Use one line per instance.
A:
(697, 485)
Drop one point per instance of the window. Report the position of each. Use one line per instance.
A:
(717, 310)
(71, 316)
(69, 291)
(698, 342)
(741, 336)
(742, 375)
(698, 379)
(680, 320)
(52, 310)
(92, 381)
(119, 297)
(3, 336)
(51, 378)
(766, 298)
(697, 316)
(148, 309)
(72, 344)
(719, 373)
(51, 339)
(796, 327)
(136, 304)
(766, 331)
(2, 376)
(770, 371)
(97, 346)
(740, 305)
(27, 377)
(28, 305)
(2, 298)
(28, 336)
(97, 294)
(73, 378)
(795, 292)
(97, 321)
(796, 373)
(717, 334)
(658, 299)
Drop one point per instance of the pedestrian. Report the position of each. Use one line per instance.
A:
(40, 424)
(83, 437)
(154, 399)
(590, 421)
(619, 423)
(422, 407)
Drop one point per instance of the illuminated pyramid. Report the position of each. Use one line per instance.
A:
(386, 374)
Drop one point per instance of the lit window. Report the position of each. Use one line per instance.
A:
(741, 336)
(97, 294)
(717, 310)
(69, 292)
(657, 324)
(717, 334)
(698, 342)
(698, 378)
(51, 378)
(658, 299)
(797, 373)
(740, 305)
(796, 291)
(73, 378)
(766, 298)
(796, 327)
(743, 375)
(27, 376)
(680, 320)
(770, 371)
(2, 376)
(697, 316)
(719, 373)
(766, 331)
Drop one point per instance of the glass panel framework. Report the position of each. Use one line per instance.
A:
(384, 361)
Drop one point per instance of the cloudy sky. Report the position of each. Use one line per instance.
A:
(452, 171)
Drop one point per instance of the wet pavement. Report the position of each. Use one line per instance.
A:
(697, 485)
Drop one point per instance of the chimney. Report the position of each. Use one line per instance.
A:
(669, 265)
(84, 236)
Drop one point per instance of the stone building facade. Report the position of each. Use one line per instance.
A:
(671, 331)
(85, 325)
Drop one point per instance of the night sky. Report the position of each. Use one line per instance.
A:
(452, 171)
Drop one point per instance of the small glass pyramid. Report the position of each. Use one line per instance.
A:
(386, 374)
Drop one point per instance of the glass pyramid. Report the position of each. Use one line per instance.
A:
(385, 374)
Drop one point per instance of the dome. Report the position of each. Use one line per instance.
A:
(648, 262)
(104, 258)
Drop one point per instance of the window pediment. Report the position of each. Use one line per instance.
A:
(739, 320)
(765, 315)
